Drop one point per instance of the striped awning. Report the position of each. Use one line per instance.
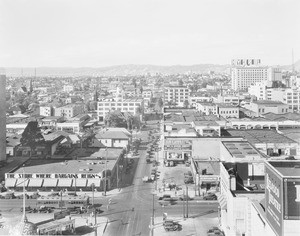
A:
(20, 182)
(48, 182)
(10, 182)
(36, 182)
(79, 183)
(223, 202)
(96, 181)
(65, 182)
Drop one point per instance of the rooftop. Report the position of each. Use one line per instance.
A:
(67, 167)
(206, 123)
(261, 136)
(268, 102)
(286, 168)
(112, 135)
(241, 149)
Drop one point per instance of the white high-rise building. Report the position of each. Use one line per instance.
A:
(2, 118)
(245, 72)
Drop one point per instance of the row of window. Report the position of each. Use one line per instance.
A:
(229, 112)
(118, 108)
(118, 104)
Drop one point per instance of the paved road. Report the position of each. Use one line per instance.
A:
(126, 221)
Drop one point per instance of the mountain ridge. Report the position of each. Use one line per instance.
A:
(126, 69)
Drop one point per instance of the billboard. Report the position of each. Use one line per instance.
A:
(291, 198)
(274, 200)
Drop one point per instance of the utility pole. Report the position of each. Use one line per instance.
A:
(183, 205)
(24, 209)
(187, 202)
(152, 220)
(75, 185)
(117, 175)
(105, 180)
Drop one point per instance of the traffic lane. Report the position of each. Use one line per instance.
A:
(6, 204)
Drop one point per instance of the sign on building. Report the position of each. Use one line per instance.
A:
(274, 200)
(291, 199)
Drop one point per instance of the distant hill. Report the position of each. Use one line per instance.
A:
(289, 67)
(116, 70)
(126, 70)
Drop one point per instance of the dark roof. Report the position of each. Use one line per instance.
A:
(261, 136)
(268, 102)
(286, 116)
(287, 168)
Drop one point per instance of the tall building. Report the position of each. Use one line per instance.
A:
(177, 95)
(2, 118)
(245, 72)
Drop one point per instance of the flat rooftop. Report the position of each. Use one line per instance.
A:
(286, 168)
(261, 136)
(67, 167)
(241, 149)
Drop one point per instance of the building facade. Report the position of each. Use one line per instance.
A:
(245, 72)
(46, 110)
(2, 117)
(69, 110)
(177, 95)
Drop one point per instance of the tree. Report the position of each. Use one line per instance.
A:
(158, 104)
(32, 136)
(186, 104)
(115, 119)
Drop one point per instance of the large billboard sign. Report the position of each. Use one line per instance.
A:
(274, 200)
(291, 199)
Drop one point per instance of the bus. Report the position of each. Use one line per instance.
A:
(63, 202)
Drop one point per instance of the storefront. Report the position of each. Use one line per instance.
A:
(177, 150)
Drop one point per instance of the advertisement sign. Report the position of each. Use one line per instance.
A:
(292, 199)
(274, 200)
(178, 144)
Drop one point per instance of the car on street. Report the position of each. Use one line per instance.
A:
(210, 196)
(184, 198)
(170, 225)
(214, 231)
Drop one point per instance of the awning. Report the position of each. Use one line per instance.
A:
(79, 183)
(20, 182)
(64, 182)
(223, 202)
(36, 183)
(10, 182)
(94, 181)
(48, 182)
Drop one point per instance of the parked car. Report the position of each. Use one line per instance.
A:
(210, 196)
(184, 198)
(214, 231)
(170, 225)
(290, 158)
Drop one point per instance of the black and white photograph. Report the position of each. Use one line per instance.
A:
(150, 117)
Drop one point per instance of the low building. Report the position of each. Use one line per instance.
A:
(207, 128)
(268, 141)
(70, 175)
(262, 107)
(228, 110)
(46, 111)
(206, 108)
(69, 110)
(251, 205)
(114, 138)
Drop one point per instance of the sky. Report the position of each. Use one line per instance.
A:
(97, 33)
